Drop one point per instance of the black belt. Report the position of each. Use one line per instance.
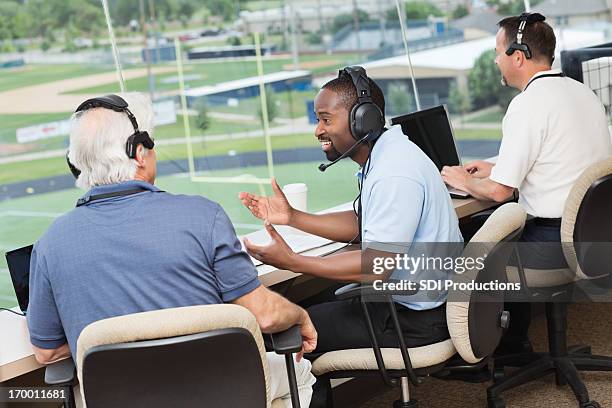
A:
(547, 222)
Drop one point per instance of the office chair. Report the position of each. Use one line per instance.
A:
(193, 356)
(475, 320)
(585, 225)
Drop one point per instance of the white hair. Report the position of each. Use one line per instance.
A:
(98, 137)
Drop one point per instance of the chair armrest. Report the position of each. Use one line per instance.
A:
(481, 215)
(288, 341)
(353, 290)
(62, 372)
(348, 291)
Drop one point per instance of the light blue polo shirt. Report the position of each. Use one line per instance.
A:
(404, 200)
(116, 256)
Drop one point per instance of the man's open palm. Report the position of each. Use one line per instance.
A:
(275, 208)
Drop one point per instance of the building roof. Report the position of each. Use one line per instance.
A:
(462, 56)
(556, 8)
(480, 19)
(459, 56)
(245, 83)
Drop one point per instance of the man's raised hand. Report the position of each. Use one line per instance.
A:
(274, 209)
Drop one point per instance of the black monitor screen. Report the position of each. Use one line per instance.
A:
(18, 262)
(430, 129)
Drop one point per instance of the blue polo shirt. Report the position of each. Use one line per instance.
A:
(115, 256)
(405, 201)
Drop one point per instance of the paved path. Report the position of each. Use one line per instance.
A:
(51, 97)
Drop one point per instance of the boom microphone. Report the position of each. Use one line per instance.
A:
(324, 166)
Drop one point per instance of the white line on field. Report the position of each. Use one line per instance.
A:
(20, 213)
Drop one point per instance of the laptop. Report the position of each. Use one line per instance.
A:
(431, 130)
(18, 261)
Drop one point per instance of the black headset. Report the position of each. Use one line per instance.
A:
(366, 120)
(365, 117)
(518, 45)
(118, 104)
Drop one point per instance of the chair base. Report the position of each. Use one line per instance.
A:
(401, 404)
(566, 369)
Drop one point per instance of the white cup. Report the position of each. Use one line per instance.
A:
(297, 195)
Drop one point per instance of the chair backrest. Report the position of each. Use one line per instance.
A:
(587, 218)
(474, 316)
(183, 357)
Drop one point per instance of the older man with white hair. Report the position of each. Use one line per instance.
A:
(129, 247)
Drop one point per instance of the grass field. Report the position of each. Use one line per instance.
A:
(220, 71)
(478, 134)
(40, 74)
(489, 117)
(31, 170)
(23, 220)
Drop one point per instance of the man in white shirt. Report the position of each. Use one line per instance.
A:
(552, 131)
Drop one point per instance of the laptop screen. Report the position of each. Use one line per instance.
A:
(430, 129)
(18, 262)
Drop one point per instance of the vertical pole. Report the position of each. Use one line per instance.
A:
(143, 24)
(402, 15)
(153, 18)
(111, 34)
(294, 40)
(527, 6)
(179, 69)
(356, 28)
(264, 105)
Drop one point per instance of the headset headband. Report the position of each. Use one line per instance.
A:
(518, 45)
(117, 104)
(361, 82)
(113, 102)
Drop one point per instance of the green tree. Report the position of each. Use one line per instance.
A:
(510, 7)
(271, 106)
(222, 8)
(460, 11)
(458, 101)
(14, 21)
(314, 38)
(400, 98)
(484, 83)
(202, 119)
(235, 41)
(416, 10)
(122, 11)
(70, 34)
(343, 20)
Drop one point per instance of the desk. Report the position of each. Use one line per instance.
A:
(17, 358)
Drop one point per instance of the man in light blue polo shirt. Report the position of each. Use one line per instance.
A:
(129, 247)
(403, 201)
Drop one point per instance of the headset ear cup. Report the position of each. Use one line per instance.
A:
(130, 148)
(353, 125)
(366, 117)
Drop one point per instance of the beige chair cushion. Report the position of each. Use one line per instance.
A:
(363, 359)
(506, 219)
(542, 278)
(572, 205)
(278, 403)
(166, 323)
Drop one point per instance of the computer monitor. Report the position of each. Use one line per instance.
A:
(431, 130)
(18, 262)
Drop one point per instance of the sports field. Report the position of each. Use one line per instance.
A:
(23, 220)
(38, 94)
